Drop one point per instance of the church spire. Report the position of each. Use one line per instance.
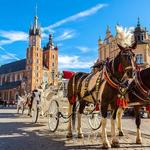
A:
(35, 29)
(138, 23)
(36, 18)
(36, 22)
(51, 40)
(107, 29)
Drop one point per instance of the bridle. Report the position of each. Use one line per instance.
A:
(115, 83)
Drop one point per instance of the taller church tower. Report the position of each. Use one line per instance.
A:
(34, 55)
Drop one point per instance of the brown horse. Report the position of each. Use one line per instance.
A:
(138, 97)
(112, 76)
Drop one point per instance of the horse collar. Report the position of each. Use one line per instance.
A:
(109, 80)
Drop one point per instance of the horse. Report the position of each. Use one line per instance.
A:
(111, 77)
(138, 97)
(23, 103)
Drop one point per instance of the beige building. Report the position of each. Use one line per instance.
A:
(109, 48)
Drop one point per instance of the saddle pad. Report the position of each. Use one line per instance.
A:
(91, 82)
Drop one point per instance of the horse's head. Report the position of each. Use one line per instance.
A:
(124, 62)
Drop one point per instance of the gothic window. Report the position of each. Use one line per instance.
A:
(107, 41)
(3, 79)
(53, 56)
(139, 59)
(53, 75)
(8, 78)
(142, 37)
(53, 64)
(18, 77)
(138, 38)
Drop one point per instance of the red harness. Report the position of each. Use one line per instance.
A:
(120, 101)
(110, 82)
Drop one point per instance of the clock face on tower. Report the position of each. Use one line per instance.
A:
(32, 41)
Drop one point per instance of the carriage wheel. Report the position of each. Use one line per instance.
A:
(35, 111)
(95, 120)
(53, 116)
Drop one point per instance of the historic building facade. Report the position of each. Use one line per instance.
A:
(40, 65)
(109, 48)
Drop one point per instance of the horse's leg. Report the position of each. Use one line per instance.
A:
(115, 141)
(80, 134)
(138, 123)
(18, 107)
(22, 109)
(105, 141)
(23, 105)
(80, 111)
(69, 134)
(119, 121)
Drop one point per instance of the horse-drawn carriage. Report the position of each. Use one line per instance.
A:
(52, 103)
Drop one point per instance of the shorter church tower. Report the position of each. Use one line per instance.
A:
(50, 62)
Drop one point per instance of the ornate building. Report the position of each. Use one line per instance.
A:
(109, 48)
(40, 65)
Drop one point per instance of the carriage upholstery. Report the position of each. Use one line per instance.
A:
(68, 74)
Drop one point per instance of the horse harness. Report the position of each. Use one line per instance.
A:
(145, 92)
(120, 87)
(99, 81)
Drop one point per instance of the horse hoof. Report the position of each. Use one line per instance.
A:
(115, 145)
(106, 146)
(138, 141)
(80, 135)
(69, 135)
(121, 133)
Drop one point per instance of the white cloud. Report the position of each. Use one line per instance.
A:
(8, 37)
(60, 44)
(83, 49)
(67, 34)
(73, 62)
(8, 56)
(12, 36)
(79, 15)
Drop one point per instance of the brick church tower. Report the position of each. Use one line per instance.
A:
(34, 57)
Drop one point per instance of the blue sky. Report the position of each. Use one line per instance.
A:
(76, 26)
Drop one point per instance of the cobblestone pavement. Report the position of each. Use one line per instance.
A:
(17, 132)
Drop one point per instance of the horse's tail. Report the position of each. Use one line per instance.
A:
(71, 93)
(74, 115)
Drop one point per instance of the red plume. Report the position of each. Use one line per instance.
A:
(120, 68)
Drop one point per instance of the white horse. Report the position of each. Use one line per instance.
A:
(23, 103)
